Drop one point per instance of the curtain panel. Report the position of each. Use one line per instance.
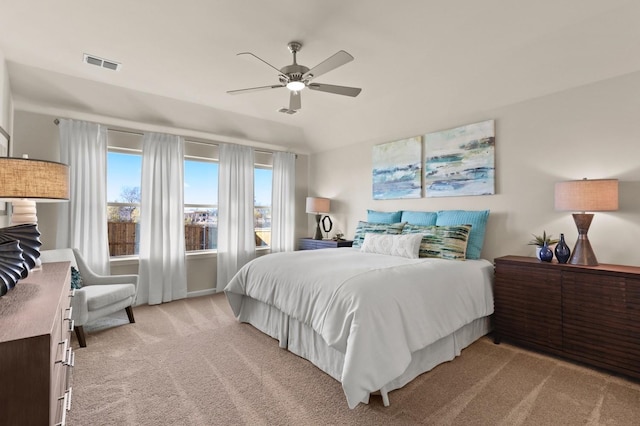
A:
(162, 269)
(283, 202)
(82, 222)
(236, 238)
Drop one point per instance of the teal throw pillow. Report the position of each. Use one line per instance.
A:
(374, 216)
(419, 218)
(76, 279)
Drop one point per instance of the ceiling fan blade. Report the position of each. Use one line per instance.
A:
(295, 101)
(263, 61)
(328, 64)
(338, 90)
(253, 89)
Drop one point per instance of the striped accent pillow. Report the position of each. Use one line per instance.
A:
(375, 228)
(445, 242)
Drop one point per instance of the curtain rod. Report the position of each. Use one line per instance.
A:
(131, 132)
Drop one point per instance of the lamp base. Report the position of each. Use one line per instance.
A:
(318, 235)
(582, 252)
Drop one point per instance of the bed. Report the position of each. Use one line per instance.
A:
(372, 321)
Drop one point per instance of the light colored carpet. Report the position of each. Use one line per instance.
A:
(190, 363)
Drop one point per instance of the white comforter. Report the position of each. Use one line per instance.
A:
(376, 309)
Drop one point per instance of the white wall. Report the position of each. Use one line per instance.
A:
(6, 114)
(591, 131)
(36, 135)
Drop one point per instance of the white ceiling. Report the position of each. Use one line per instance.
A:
(418, 62)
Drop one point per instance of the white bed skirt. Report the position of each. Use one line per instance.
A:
(303, 341)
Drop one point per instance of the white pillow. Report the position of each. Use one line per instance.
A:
(407, 245)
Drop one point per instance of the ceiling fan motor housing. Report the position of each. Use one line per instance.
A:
(293, 72)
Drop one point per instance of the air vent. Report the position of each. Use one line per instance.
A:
(287, 111)
(101, 62)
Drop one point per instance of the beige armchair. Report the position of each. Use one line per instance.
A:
(99, 296)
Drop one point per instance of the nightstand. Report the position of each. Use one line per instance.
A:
(585, 313)
(311, 244)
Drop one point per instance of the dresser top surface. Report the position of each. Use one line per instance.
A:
(30, 308)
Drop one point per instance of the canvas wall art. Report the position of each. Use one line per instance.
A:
(397, 169)
(461, 161)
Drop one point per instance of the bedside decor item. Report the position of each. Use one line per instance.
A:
(461, 161)
(546, 254)
(12, 266)
(397, 169)
(29, 237)
(317, 205)
(24, 182)
(540, 240)
(585, 196)
(562, 250)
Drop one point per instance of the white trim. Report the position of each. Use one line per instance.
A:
(199, 293)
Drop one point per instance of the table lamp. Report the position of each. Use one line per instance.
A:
(24, 182)
(317, 206)
(585, 196)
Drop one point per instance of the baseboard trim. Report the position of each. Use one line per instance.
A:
(199, 293)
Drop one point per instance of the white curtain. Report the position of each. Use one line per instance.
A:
(236, 238)
(163, 275)
(82, 222)
(283, 202)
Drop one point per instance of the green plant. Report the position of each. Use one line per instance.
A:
(540, 240)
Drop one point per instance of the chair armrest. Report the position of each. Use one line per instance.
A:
(94, 279)
(80, 313)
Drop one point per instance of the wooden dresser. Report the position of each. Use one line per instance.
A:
(589, 314)
(35, 348)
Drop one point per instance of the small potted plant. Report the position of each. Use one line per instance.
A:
(540, 240)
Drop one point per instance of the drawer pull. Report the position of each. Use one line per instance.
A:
(70, 392)
(65, 404)
(71, 359)
(70, 309)
(72, 293)
(71, 324)
(64, 351)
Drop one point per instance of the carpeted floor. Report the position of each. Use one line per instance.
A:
(190, 363)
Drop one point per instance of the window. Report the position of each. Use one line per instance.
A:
(262, 205)
(124, 167)
(200, 204)
(123, 202)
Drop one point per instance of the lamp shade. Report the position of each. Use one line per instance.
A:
(318, 205)
(38, 180)
(587, 195)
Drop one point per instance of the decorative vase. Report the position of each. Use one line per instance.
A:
(562, 250)
(546, 254)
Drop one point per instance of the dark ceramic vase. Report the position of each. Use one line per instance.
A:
(545, 253)
(562, 250)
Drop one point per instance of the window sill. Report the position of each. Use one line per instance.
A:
(133, 260)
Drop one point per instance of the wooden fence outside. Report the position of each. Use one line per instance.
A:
(124, 237)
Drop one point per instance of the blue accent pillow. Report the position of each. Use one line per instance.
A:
(76, 279)
(419, 218)
(478, 221)
(374, 216)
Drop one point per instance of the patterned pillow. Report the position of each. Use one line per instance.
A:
(76, 279)
(445, 242)
(375, 228)
(393, 245)
(475, 218)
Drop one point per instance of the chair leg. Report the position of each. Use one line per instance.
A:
(129, 310)
(80, 335)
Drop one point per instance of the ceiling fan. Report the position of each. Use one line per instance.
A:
(296, 77)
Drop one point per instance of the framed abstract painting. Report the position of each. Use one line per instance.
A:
(461, 161)
(397, 169)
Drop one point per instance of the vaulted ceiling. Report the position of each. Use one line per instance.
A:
(417, 61)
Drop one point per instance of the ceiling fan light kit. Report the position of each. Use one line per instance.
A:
(296, 77)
